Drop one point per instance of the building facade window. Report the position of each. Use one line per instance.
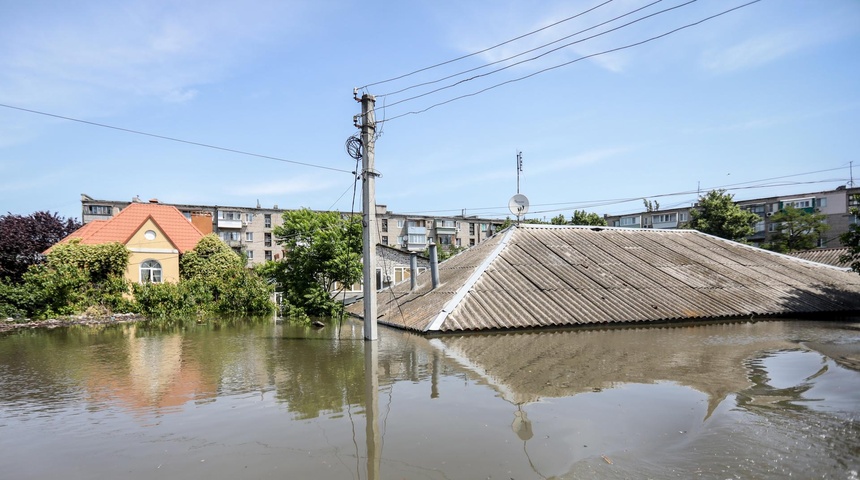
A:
(385, 239)
(222, 215)
(249, 217)
(267, 239)
(399, 223)
(229, 236)
(268, 255)
(150, 272)
(267, 220)
(663, 218)
(249, 236)
(250, 255)
(99, 209)
(384, 224)
(800, 203)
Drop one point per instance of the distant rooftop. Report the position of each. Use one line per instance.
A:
(829, 256)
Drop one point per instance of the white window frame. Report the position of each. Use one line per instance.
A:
(150, 272)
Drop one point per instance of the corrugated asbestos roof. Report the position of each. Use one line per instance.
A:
(533, 276)
(830, 256)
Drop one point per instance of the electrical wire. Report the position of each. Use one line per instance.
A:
(538, 48)
(544, 70)
(173, 139)
(617, 201)
(486, 49)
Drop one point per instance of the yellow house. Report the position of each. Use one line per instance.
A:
(155, 234)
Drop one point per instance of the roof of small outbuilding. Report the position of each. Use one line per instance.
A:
(532, 276)
(830, 256)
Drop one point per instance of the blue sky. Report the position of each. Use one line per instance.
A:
(767, 91)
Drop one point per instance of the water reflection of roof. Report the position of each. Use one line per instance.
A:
(526, 367)
(551, 276)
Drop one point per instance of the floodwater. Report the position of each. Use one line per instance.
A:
(230, 400)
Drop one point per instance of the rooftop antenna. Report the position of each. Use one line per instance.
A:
(519, 204)
(519, 168)
(851, 170)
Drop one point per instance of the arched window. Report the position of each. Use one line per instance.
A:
(150, 272)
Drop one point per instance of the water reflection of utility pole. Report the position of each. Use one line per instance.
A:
(434, 376)
(522, 426)
(371, 390)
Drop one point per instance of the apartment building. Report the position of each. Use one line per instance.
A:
(834, 204)
(250, 229)
(415, 232)
(245, 229)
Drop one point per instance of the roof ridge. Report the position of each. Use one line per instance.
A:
(470, 282)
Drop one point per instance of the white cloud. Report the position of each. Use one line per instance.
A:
(753, 52)
(797, 33)
(80, 57)
(567, 163)
(776, 120)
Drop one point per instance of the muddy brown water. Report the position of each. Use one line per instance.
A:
(259, 399)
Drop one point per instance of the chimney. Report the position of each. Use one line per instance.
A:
(434, 266)
(413, 270)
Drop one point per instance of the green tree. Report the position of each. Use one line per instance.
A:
(581, 217)
(558, 220)
(717, 214)
(213, 279)
(320, 248)
(23, 239)
(796, 230)
(75, 277)
(211, 257)
(444, 252)
(851, 239)
(651, 206)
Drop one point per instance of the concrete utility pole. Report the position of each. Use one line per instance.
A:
(368, 208)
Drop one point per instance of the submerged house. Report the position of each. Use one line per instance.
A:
(532, 276)
(155, 234)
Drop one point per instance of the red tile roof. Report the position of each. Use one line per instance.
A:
(181, 232)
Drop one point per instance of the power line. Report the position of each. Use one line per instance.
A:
(486, 49)
(534, 49)
(416, 112)
(616, 201)
(172, 139)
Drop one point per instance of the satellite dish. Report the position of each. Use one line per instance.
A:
(519, 205)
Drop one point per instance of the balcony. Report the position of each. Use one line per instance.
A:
(222, 223)
(416, 231)
(416, 247)
(445, 228)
